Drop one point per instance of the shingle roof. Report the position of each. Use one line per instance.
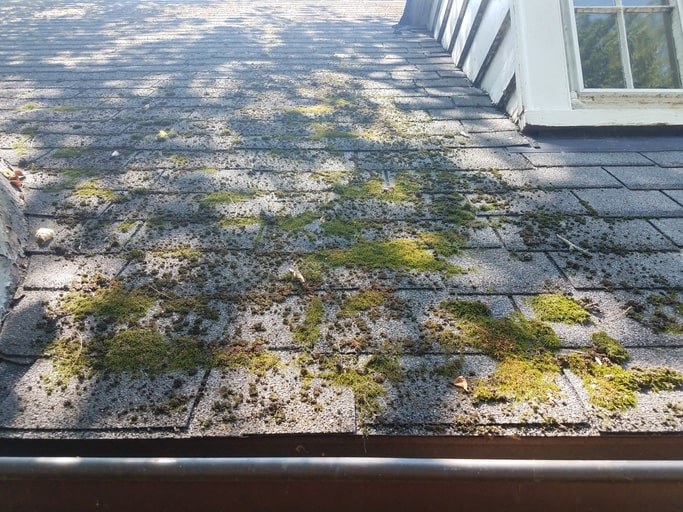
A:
(301, 203)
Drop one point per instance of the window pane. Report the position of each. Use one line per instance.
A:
(593, 3)
(599, 48)
(651, 50)
(641, 3)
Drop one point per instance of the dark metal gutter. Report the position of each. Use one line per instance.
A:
(338, 468)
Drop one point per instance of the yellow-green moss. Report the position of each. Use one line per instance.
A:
(388, 366)
(329, 177)
(71, 358)
(342, 227)
(610, 347)
(67, 152)
(307, 332)
(321, 131)
(559, 308)
(405, 190)
(363, 383)
(70, 177)
(400, 254)
(113, 303)
(297, 222)
(27, 107)
(67, 108)
(313, 110)
(179, 160)
(254, 357)
(615, 388)
(225, 197)
(361, 302)
(21, 147)
(181, 253)
(497, 337)
(92, 189)
(520, 379)
(453, 208)
(445, 243)
(312, 270)
(238, 222)
(126, 226)
(209, 170)
(145, 350)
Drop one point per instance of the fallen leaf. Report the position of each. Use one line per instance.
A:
(461, 382)
(297, 275)
(44, 236)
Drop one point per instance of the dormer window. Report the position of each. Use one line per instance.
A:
(627, 44)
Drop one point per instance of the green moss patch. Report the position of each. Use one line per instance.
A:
(313, 110)
(444, 243)
(252, 356)
(344, 228)
(181, 253)
(404, 190)
(559, 308)
(297, 222)
(92, 189)
(225, 197)
(608, 346)
(144, 350)
(520, 379)
(111, 304)
(362, 302)
(307, 333)
(239, 222)
(324, 131)
(615, 388)
(27, 107)
(71, 358)
(400, 254)
(453, 208)
(67, 152)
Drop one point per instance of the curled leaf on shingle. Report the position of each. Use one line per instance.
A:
(461, 382)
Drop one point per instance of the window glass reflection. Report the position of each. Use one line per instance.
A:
(600, 52)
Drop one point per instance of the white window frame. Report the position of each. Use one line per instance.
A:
(548, 82)
(571, 34)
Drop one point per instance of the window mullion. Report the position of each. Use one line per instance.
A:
(623, 45)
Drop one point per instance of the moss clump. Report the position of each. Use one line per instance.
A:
(343, 228)
(453, 208)
(444, 243)
(313, 110)
(467, 309)
(29, 131)
(179, 160)
(559, 308)
(126, 226)
(388, 366)
(239, 222)
(67, 108)
(312, 270)
(361, 302)
(520, 379)
(209, 170)
(144, 350)
(614, 388)
(186, 305)
(363, 382)
(27, 107)
(70, 177)
(91, 189)
(225, 197)
(403, 191)
(610, 347)
(181, 253)
(254, 356)
(67, 152)
(323, 131)
(298, 222)
(70, 359)
(307, 332)
(111, 304)
(400, 254)
(329, 177)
